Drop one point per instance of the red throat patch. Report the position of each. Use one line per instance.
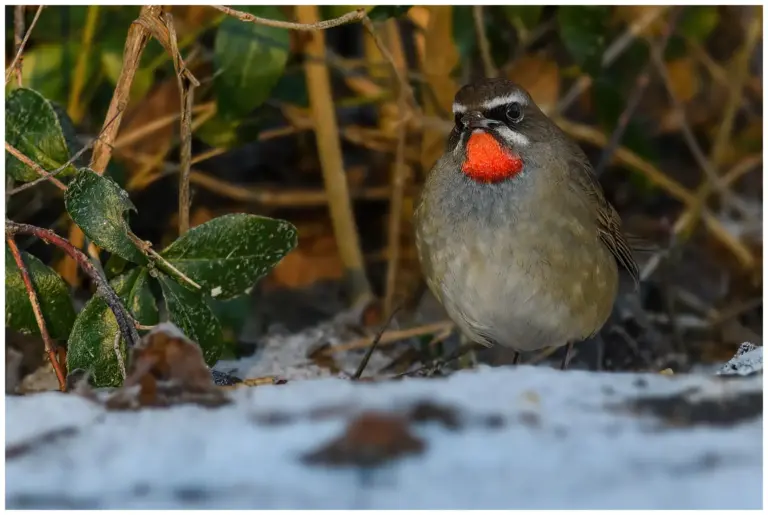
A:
(487, 161)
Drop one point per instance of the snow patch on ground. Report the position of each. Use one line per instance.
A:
(561, 440)
(287, 356)
(748, 360)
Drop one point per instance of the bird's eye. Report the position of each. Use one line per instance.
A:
(514, 112)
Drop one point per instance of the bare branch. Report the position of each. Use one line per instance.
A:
(350, 17)
(50, 347)
(20, 49)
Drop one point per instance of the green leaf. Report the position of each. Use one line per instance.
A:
(52, 292)
(582, 30)
(92, 342)
(33, 127)
(70, 135)
(698, 22)
(49, 68)
(526, 16)
(227, 255)
(189, 311)
(98, 205)
(250, 59)
(384, 12)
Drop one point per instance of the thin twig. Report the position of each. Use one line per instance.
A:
(626, 115)
(20, 49)
(704, 163)
(123, 317)
(482, 41)
(187, 92)
(50, 347)
(50, 175)
(399, 172)
(332, 164)
(137, 39)
(685, 223)
(659, 178)
(18, 35)
(404, 84)
(641, 83)
(36, 167)
(739, 76)
(374, 344)
(161, 262)
(392, 337)
(350, 17)
(616, 48)
(155, 125)
(74, 108)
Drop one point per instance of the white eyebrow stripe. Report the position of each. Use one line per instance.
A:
(504, 100)
(513, 138)
(459, 108)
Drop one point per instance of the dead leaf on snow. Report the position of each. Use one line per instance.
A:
(167, 368)
(371, 439)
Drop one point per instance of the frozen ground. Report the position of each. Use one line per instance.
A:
(526, 437)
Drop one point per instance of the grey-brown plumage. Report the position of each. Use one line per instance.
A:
(529, 261)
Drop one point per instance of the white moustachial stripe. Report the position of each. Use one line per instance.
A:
(513, 138)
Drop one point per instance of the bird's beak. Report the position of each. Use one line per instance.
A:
(474, 120)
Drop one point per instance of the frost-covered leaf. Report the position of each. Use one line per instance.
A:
(34, 129)
(228, 254)
(52, 292)
(189, 311)
(98, 205)
(582, 30)
(249, 60)
(91, 344)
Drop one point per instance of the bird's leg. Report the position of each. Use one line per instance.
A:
(515, 358)
(567, 357)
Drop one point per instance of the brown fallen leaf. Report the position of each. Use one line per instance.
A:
(167, 368)
(371, 439)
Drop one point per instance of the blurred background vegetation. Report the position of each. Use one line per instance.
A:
(693, 138)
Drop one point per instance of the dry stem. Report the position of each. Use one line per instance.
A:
(137, 39)
(356, 15)
(36, 167)
(50, 347)
(611, 54)
(656, 176)
(483, 43)
(329, 148)
(20, 49)
(18, 31)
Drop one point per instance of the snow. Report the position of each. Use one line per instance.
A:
(748, 360)
(560, 440)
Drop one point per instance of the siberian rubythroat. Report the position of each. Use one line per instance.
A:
(513, 232)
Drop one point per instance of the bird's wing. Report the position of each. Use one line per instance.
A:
(608, 220)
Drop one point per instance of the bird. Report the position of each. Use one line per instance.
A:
(513, 232)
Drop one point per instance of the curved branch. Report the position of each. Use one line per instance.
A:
(123, 317)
